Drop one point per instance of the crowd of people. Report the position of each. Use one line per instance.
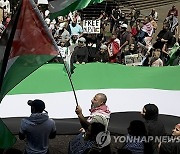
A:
(121, 35)
(127, 37)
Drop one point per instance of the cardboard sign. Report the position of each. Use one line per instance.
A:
(91, 26)
(133, 60)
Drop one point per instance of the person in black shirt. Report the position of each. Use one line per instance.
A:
(122, 19)
(102, 55)
(80, 54)
(155, 127)
(164, 36)
(114, 18)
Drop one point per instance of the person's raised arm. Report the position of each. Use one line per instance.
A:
(82, 119)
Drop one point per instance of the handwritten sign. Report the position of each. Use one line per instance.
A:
(91, 26)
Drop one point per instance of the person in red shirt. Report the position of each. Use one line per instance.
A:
(114, 48)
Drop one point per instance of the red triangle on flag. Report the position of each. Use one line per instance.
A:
(31, 36)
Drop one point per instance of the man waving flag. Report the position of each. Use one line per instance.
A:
(63, 7)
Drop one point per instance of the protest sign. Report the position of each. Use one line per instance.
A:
(91, 26)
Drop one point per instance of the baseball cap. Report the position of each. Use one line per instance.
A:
(103, 46)
(124, 26)
(82, 39)
(38, 104)
(100, 119)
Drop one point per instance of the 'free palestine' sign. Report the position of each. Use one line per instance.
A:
(91, 26)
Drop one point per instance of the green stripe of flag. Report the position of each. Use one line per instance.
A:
(61, 8)
(7, 139)
(21, 68)
(51, 78)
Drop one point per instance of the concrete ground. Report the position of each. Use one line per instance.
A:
(59, 145)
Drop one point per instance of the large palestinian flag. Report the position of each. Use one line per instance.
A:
(128, 89)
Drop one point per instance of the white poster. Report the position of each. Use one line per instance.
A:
(42, 1)
(91, 26)
(133, 60)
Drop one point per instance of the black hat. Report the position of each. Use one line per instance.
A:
(39, 105)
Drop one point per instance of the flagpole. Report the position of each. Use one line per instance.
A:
(54, 43)
(69, 76)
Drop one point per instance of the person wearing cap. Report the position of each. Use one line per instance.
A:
(80, 54)
(102, 54)
(87, 142)
(173, 145)
(37, 128)
(98, 107)
(124, 37)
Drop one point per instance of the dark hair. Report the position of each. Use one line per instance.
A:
(96, 128)
(38, 105)
(137, 128)
(166, 24)
(152, 112)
